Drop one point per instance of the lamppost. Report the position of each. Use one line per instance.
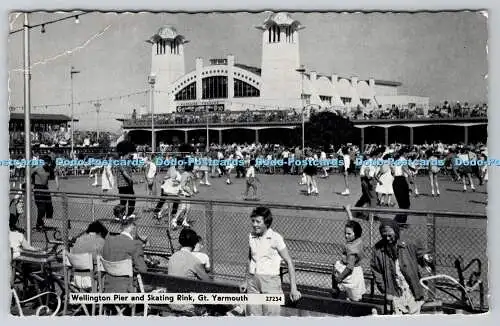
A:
(152, 81)
(208, 134)
(27, 125)
(27, 105)
(72, 72)
(97, 108)
(302, 70)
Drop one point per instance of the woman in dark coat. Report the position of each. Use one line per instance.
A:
(395, 268)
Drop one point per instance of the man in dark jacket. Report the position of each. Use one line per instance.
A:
(395, 268)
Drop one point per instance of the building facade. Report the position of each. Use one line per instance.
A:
(280, 83)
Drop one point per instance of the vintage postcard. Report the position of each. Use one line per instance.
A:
(247, 164)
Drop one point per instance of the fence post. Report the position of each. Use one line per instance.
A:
(431, 244)
(371, 229)
(65, 239)
(209, 214)
(93, 209)
(431, 240)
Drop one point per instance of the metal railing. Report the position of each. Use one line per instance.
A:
(314, 234)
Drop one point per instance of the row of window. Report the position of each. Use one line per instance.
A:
(216, 87)
(167, 46)
(274, 34)
(347, 100)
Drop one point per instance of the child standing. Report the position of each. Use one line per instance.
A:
(251, 181)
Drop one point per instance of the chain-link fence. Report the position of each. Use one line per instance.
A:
(314, 235)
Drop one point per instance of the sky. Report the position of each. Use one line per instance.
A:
(442, 56)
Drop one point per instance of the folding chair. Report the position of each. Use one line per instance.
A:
(81, 268)
(118, 268)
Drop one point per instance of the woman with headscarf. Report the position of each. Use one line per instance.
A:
(395, 268)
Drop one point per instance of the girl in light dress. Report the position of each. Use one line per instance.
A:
(384, 189)
(107, 179)
(169, 189)
(347, 275)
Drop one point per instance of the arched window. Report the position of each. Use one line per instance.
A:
(187, 93)
(242, 89)
(365, 101)
(174, 46)
(274, 34)
(345, 100)
(214, 87)
(289, 34)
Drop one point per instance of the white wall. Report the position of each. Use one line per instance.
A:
(383, 90)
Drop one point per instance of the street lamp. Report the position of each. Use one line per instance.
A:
(152, 81)
(208, 132)
(302, 70)
(97, 108)
(72, 72)
(27, 124)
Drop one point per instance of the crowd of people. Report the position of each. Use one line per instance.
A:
(386, 112)
(223, 117)
(394, 263)
(60, 136)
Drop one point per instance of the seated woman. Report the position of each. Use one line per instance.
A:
(92, 241)
(17, 241)
(184, 264)
(347, 273)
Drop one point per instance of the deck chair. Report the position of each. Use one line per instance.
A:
(118, 268)
(81, 268)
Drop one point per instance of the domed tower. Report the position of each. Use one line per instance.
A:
(281, 83)
(167, 64)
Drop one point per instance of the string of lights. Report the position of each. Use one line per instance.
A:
(99, 100)
(76, 17)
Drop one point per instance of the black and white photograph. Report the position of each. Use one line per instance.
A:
(271, 163)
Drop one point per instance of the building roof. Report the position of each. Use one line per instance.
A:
(167, 32)
(377, 81)
(280, 19)
(252, 69)
(42, 117)
(387, 83)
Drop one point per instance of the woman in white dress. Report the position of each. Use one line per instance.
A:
(384, 189)
(107, 178)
